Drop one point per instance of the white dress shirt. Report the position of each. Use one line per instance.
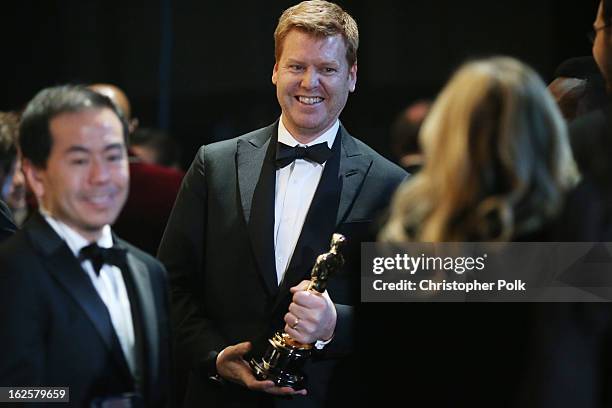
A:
(295, 188)
(109, 284)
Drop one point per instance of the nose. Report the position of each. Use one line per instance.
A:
(18, 179)
(310, 79)
(99, 172)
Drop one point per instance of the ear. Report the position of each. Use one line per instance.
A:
(353, 77)
(35, 177)
(274, 73)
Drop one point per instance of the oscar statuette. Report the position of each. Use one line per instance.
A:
(285, 357)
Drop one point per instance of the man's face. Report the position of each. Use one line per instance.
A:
(85, 182)
(16, 194)
(313, 80)
(602, 46)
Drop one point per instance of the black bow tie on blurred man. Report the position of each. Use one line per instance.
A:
(100, 256)
(285, 155)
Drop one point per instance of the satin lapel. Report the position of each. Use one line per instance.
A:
(354, 167)
(66, 270)
(142, 284)
(257, 182)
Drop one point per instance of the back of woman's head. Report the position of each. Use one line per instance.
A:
(497, 159)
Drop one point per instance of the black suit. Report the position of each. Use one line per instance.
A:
(569, 362)
(7, 226)
(219, 250)
(57, 330)
(591, 139)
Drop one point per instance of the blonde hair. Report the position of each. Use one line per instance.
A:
(497, 159)
(321, 19)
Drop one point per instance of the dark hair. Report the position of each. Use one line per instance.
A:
(578, 67)
(589, 96)
(9, 128)
(35, 138)
(167, 151)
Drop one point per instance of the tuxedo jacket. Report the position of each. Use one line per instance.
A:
(57, 330)
(7, 226)
(218, 248)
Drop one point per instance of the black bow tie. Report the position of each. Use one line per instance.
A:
(285, 155)
(100, 256)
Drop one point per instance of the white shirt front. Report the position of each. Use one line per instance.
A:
(295, 188)
(109, 284)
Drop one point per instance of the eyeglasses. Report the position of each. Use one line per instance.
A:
(593, 33)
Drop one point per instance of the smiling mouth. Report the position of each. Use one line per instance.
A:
(101, 200)
(309, 100)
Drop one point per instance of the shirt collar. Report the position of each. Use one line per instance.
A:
(73, 239)
(329, 136)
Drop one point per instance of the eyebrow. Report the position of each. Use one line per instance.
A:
(82, 149)
(293, 61)
(319, 63)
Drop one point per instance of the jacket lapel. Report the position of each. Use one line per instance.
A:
(66, 270)
(257, 183)
(354, 166)
(139, 275)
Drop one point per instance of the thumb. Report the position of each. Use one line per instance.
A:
(243, 348)
(302, 286)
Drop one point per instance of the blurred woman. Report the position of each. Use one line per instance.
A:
(497, 160)
(497, 167)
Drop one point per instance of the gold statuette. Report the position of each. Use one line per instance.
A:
(285, 357)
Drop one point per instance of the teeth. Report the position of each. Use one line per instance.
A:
(310, 100)
(99, 200)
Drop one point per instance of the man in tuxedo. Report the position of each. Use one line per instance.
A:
(79, 307)
(254, 212)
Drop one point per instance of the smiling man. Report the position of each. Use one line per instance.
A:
(255, 211)
(84, 309)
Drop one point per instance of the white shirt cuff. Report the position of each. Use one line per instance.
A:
(319, 344)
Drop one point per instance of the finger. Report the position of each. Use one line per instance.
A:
(291, 319)
(302, 335)
(295, 324)
(240, 349)
(302, 286)
(309, 299)
(286, 391)
(275, 390)
(299, 312)
(235, 371)
(269, 387)
(255, 385)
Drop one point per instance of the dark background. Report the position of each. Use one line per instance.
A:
(201, 69)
